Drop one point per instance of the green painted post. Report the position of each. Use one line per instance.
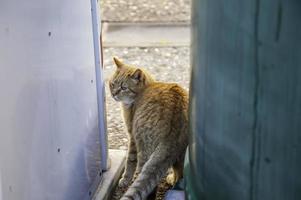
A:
(245, 103)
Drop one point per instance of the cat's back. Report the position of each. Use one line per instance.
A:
(162, 106)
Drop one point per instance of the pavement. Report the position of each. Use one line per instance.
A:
(110, 177)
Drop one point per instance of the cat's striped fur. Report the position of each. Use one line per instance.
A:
(155, 114)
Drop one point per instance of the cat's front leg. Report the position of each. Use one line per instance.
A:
(130, 166)
(141, 160)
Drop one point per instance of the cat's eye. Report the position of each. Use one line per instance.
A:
(123, 87)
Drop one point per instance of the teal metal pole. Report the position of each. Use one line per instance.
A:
(245, 101)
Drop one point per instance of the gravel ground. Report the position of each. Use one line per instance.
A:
(145, 10)
(169, 64)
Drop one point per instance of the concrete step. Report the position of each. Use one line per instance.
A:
(145, 34)
(111, 177)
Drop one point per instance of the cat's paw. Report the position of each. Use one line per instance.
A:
(124, 182)
(125, 198)
(130, 198)
(170, 179)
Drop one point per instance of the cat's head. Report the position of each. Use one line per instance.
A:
(128, 82)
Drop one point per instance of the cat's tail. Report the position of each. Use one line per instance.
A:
(152, 172)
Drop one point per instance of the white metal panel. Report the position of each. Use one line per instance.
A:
(49, 133)
(100, 83)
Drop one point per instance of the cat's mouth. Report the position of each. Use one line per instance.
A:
(125, 101)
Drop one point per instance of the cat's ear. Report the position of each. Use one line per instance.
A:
(118, 63)
(137, 75)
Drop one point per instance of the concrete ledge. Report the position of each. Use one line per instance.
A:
(145, 35)
(110, 177)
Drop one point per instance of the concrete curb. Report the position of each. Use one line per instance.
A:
(111, 177)
(145, 34)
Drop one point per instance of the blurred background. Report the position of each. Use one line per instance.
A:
(151, 34)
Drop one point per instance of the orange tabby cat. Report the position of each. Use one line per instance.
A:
(155, 115)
